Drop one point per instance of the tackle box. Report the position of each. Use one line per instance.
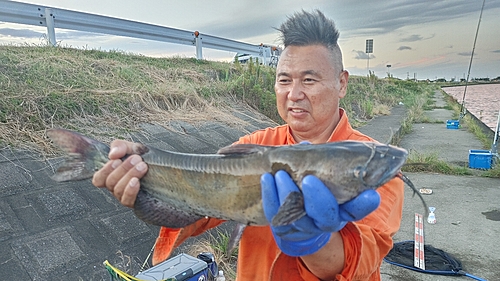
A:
(480, 159)
(182, 267)
(452, 124)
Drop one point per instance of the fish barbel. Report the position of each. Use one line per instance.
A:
(181, 188)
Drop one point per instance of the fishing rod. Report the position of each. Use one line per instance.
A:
(462, 107)
(494, 146)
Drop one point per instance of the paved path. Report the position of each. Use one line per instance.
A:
(467, 208)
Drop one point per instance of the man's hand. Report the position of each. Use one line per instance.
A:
(323, 215)
(122, 177)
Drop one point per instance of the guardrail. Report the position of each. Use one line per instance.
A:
(38, 15)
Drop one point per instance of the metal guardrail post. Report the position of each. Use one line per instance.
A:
(199, 45)
(51, 33)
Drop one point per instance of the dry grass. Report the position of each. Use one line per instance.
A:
(44, 87)
(216, 244)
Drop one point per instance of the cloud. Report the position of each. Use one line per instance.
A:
(360, 55)
(402, 48)
(412, 38)
(78, 35)
(387, 16)
(23, 33)
(60, 35)
(415, 37)
(465, 54)
(496, 51)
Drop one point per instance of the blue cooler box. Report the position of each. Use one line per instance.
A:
(480, 159)
(181, 267)
(452, 124)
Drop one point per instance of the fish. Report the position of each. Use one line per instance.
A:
(181, 188)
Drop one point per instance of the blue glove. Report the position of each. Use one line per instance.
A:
(322, 213)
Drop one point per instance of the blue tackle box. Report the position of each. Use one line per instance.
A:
(182, 267)
(452, 124)
(480, 159)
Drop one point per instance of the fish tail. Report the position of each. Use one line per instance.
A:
(84, 155)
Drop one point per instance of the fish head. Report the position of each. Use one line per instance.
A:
(347, 168)
(382, 165)
(358, 166)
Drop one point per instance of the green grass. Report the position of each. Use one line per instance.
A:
(494, 172)
(429, 162)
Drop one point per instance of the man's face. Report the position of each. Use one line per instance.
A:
(308, 89)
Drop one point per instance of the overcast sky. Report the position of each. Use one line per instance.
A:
(429, 39)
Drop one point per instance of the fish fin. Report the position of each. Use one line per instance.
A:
(242, 149)
(156, 212)
(75, 167)
(291, 210)
(234, 239)
(84, 155)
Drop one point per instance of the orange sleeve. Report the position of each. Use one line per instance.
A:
(367, 242)
(171, 238)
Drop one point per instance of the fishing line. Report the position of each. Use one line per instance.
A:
(462, 107)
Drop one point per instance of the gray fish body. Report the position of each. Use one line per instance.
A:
(181, 188)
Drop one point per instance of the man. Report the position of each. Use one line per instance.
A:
(346, 242)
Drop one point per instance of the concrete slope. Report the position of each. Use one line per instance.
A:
(64, 231)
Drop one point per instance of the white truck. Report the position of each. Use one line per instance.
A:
(269, 55)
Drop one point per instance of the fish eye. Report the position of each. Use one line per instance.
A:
(359, 172)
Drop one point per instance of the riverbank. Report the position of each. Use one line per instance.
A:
(483, 101)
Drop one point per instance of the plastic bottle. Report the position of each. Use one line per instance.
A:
(220, 276)
(432, 217)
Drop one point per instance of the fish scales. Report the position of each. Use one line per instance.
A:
(205, 184)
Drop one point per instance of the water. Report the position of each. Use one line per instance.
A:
(481, 100)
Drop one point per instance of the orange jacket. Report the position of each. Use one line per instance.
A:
(366, 242)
